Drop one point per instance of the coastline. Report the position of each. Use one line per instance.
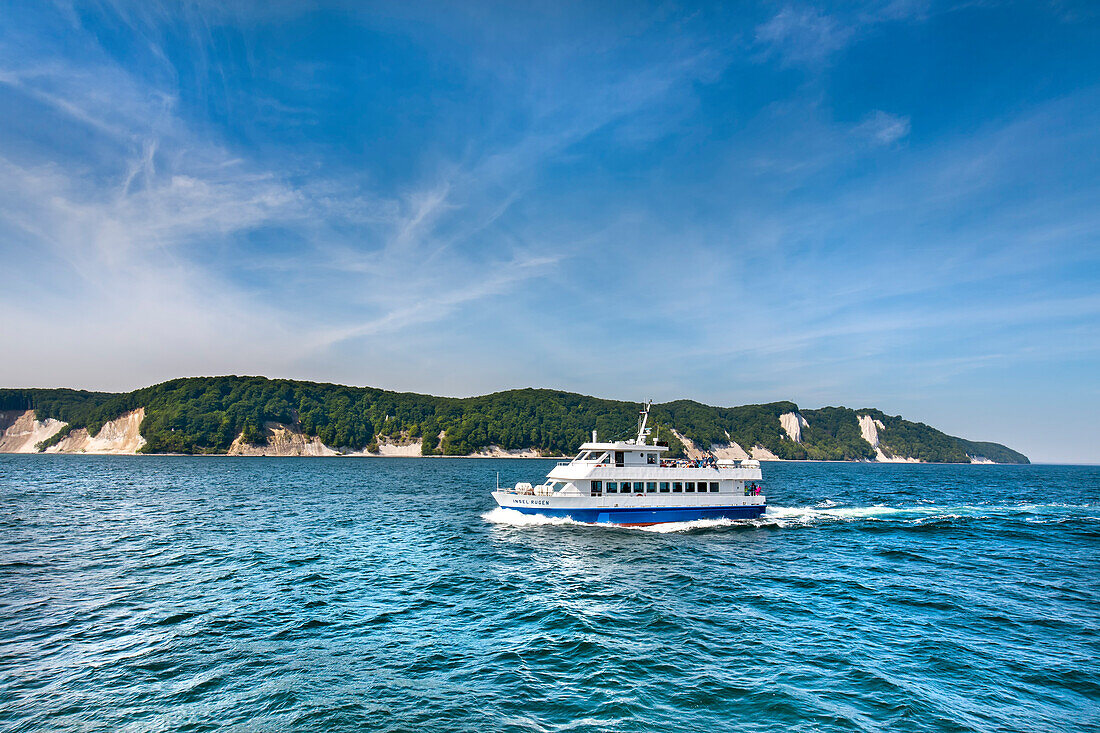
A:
(370, 456)
(240, 416)
(24, 433)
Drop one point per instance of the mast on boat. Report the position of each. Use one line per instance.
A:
(643, 416)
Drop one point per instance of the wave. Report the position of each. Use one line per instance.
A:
(513, 518)
(828, 511)
(924, 512)
(666, 527)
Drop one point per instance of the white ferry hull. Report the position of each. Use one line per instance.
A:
(627, 513)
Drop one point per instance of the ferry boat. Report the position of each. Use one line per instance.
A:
(629, 483)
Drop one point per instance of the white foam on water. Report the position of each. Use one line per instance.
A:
(914, 514)
(847, 513)
(511, 517)
(825, 511)
(667, 527)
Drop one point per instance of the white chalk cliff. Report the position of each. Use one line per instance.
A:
(289, 440)
(117, 437)
(495, 451)
(792, 424)
(401, 447)
(869, 427)
(282, 440)
(728, 450)
(690, 449)
(761, 453)
(22, 432)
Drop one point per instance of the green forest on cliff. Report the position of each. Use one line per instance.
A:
(206, 414)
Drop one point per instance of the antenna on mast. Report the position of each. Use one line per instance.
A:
(643, 416)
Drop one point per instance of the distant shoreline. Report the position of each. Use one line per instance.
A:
(260, 416)
(359, 456)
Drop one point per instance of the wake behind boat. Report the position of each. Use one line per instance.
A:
(627, 482)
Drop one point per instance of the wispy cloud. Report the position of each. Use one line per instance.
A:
(808, 36)
(883, 128)
(156, 234)
(427, 307)
(803, 35)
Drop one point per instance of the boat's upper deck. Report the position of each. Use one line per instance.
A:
(610, 460)
(639, 458)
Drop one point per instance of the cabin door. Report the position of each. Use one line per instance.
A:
(619, 458)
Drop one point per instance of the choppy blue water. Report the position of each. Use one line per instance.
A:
(170, 593)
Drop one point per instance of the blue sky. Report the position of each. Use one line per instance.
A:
(891, 204)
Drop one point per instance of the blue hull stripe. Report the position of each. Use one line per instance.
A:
(642, 515)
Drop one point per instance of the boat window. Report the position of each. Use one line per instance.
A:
(651, 487)
(597, 457)
(714, 487)
(605, 458)
(597, 488)
(638, 487)
(612, 487)
(619, 458)
(651, 458)
(690, 488)
(664, 487)
(677, 487)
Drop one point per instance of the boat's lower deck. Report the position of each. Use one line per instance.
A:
(642, 515)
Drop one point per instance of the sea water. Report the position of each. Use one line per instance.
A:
(264, 594)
